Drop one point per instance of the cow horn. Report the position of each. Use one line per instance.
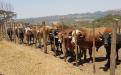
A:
(100, 33)
(110, 33)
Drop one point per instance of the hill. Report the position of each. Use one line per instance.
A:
(72, 18)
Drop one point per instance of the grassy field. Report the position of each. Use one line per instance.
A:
(18, 59)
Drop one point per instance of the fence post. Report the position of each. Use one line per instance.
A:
(119, 24)
(0, 31)
(113, 50)
(53, 33)
(63, 47)
(63, 39)
(6, 36)
(93, 48)
(14, 33)
(44, 37)
(76, 48)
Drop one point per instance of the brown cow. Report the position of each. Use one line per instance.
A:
(40, 30)
(65, 37)
(31, 34)
(85, 38)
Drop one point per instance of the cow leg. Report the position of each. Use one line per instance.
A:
(107, 65)
(90, 54)
(60, 45)
(64, 52)
(33, 39)
(80, 52)
(108, 50)
(107, 55)
(117, 57)
(27, 40)
(76, 55)
(57, 47)
(39, 41)
(51, 46)
(10, 38)
(22, 40)
(36, 42)
(84, 53)
(30, 40)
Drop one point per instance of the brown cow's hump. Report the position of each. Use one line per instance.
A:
(108, 30)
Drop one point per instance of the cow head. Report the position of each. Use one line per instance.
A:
(60, 37)
(106, 38)
(53, 36)
(79, 34)
(27, 28)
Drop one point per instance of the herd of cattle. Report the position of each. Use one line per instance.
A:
(62, 40)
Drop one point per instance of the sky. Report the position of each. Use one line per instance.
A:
(41, 8)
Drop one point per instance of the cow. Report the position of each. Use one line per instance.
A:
(40, 35)
(55, 44)
(20, 34)
(10, 33)
(106, 38)
(65, 38)
(85, 38)
(30, 34)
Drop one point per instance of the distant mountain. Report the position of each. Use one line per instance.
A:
(72, 18)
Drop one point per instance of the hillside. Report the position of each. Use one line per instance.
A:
(72, 18)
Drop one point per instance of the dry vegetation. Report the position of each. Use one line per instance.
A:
(24, 60)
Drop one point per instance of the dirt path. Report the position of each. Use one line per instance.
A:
(23, 60)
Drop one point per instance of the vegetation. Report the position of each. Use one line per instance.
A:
(106, 21)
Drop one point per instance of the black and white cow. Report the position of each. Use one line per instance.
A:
(54, 41)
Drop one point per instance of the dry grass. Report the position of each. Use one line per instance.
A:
(24, 60)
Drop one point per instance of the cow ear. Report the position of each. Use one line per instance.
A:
(100, 39)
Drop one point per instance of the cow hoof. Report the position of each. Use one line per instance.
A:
(105, 68)
(69, 59)
(107, 65)
(117, 62)
(85, 59)
(90, 61)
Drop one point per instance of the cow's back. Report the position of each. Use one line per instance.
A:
(98, 31)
